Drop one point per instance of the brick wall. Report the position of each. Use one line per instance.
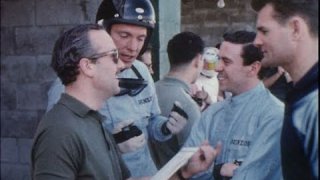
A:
(28, 30)
(205, 18)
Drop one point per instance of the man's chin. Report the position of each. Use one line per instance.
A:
(127, 65)
(222, 88)
(117, 91)
(127, 62)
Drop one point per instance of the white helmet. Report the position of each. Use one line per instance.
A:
(211, 57)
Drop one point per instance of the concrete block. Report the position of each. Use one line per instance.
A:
(19, 124)
(27, 69)
(17, 13)
(65, 12)
(8, 95)
(45, 70)
(36, 40)
(24, 150)
(16, 68)
(9, 150)
(7, 41)
(31, 96)
(15, 172)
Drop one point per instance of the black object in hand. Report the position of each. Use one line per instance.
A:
(198, 100)
(131, 86)
(180, 111)
(127, 133)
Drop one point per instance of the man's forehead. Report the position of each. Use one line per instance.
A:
(266, 13)
(129, 28)
(228, 49)
(226, 45)
(101, 40)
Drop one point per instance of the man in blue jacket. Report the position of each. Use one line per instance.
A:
(248, 124)
(288, 35)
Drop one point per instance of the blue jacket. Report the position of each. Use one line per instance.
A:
(249, 126)
(300, 133)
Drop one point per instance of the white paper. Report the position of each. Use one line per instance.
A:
(180, 159)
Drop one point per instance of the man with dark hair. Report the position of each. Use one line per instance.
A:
(70, 142)
(288, 36)
(185, 52)
(249, 123)
(146, 58)
(277, 80)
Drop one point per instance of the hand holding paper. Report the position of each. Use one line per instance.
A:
(193, 160)
(201, 160)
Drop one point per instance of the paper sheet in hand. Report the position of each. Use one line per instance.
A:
(180, 159)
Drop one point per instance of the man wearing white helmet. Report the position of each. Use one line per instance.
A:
(133, 115)
(207, 83)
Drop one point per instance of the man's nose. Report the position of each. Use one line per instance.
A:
(133, 45)
(257, 41)
(218, 66)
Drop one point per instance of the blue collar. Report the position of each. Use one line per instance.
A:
(308, 83)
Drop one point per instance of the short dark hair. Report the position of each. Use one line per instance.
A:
(284, 9)
(183, 47)
(218, 45)
(148, 49)
(250, 53)
(69, 48)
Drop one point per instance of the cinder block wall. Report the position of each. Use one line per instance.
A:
(29, 29)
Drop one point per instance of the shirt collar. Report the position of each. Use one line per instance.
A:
(246, 96)
(309, 78)
(76, 106)
(308, 83)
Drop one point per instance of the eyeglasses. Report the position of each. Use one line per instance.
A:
(114, 53)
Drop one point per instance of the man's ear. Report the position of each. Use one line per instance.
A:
(86, 66)
(198, 60)
(254, 68)
(297, 27)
